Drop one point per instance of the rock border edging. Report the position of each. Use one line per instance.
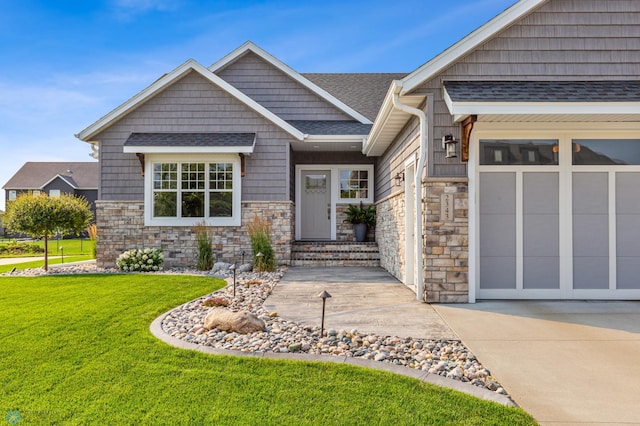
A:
(156, 330)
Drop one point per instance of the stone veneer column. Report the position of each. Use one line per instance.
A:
(446, 242)
(121, 227)
(390, 234)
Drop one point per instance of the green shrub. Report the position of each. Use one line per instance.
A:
(141, 260)
(15, 248)
(260, 234)
(204, 260)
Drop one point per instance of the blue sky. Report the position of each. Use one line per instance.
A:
(66, 63)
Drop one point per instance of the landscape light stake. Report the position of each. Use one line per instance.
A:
(324, 296)
(259, 261)
(233, 267)
(62, 251)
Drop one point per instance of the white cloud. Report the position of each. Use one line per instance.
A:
(128, 9)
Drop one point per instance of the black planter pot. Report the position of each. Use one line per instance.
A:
(360, 230)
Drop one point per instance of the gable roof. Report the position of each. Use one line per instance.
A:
(390, 120)
(168, 79)
(37, 175)
(251, 47)
(469, 43)
(362, 91)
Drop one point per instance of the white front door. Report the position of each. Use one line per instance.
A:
(315, 218)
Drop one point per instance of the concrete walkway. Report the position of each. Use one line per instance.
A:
(367, 299)
(565, 363)
(16, 260)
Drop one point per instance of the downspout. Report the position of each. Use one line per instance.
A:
(422, 157)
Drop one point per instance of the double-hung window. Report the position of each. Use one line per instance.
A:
(188, 190)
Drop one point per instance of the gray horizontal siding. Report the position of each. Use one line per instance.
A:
(278, 92)
(393, 160)
(562, 40)
(177, 110)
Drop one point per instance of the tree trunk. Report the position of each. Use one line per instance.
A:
(46, 252)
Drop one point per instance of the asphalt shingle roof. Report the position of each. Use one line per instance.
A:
(331, 127)
(191, 139)
(33, 175)
(363, 92)
(543, 91)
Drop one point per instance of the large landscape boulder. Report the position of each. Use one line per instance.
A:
(242, 322)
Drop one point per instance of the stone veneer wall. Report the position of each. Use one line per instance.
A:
(390, 234)
(121, 227)
(344, 230)
(446, 244)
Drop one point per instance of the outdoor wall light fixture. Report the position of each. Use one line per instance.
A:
(399, 177)
(449, 145)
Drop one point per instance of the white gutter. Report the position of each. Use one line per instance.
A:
(422, 157)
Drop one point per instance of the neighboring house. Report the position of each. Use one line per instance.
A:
(53, 179)
(536, 197)
(1, 226)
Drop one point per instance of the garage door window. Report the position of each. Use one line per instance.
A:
(606, 152)
(520, 152)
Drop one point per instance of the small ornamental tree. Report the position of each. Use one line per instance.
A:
(40, 216)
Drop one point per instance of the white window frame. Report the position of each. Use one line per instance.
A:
(54, 193)
(151, 159)
(363, 167)
(13, 194)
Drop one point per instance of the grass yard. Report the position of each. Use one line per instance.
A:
(40, 263)
(71, 247)
(77, 350)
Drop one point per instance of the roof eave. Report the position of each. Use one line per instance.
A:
(460, 110)
(377, 141)
(188, 149)
(468, 43)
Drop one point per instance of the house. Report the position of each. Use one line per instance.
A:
(506, 167)
(55, 178)
(1, 226)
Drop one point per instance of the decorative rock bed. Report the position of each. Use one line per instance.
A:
(448, 358)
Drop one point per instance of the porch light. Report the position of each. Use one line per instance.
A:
(449, 145)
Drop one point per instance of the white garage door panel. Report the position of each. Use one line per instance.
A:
(555, 230)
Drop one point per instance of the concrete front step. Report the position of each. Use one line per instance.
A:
(334, 253)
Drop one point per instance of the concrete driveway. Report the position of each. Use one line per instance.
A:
(565, 363)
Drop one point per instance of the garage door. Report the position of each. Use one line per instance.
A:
(558, 218)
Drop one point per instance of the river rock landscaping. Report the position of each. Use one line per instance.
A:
(449, 358)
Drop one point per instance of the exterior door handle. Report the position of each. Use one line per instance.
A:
(328, 211)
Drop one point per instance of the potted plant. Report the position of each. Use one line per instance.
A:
(361, 218)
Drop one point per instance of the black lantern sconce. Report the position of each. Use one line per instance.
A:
(449, 145)
(399, 177)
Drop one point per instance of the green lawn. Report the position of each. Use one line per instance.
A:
(77, 350)
(70, 247)
(40, 263)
